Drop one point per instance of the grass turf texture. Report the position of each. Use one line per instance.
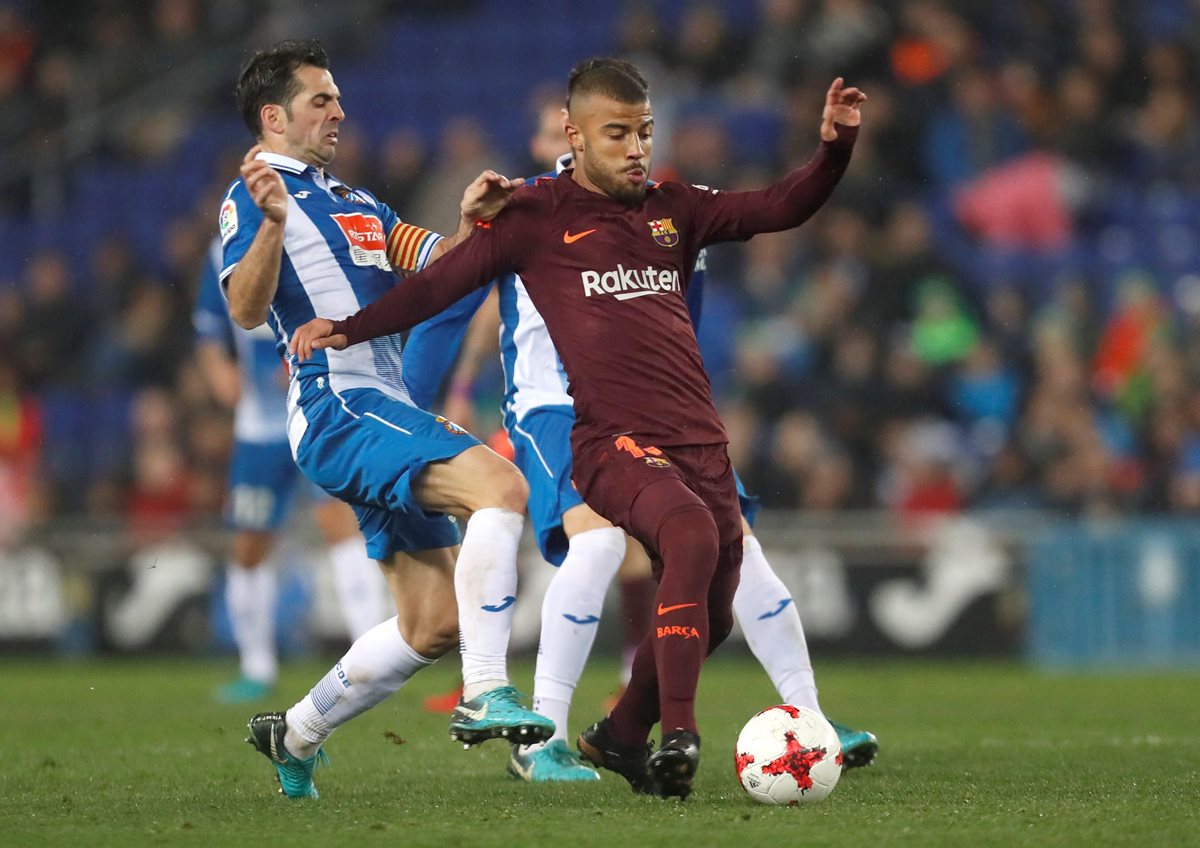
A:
(136, 753)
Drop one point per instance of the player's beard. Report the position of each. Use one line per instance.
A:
(616, 186)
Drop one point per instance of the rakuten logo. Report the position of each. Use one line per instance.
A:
(628, 283)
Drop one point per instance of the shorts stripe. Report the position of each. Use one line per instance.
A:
(536, 449)
(387, 423)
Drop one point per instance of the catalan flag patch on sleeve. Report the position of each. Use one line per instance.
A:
(408, 247)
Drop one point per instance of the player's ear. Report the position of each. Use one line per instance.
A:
(574, 135)
(272, 116)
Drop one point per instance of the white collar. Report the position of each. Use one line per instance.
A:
(281, 162)
(565, 161)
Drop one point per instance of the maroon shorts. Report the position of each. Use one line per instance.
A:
(610, 474)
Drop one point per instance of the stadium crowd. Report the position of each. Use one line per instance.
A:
(997, 310)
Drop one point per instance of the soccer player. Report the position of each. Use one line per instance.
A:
(606, 259)
(246, 375)
(538, 416)
(298, 242)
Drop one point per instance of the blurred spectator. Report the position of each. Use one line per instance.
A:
(20, 448)
(464, 152)
(998, 309)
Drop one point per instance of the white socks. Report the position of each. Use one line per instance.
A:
(250, 596)
(485, 585)
(361, 589)
(570, 613)
(769, 618)
(377, 664)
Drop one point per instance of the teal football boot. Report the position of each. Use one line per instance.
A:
(497, 714)
(859, 747)
(293, 774)
(553, 763)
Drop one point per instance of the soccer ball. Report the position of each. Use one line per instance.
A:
(788, 755)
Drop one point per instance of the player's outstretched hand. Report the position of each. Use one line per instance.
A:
(317, 334)
(265, 186)
(486, 196)
(841, 107)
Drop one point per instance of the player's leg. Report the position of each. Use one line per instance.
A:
(377, 664)
(692, 538)
(361, 590)
(587, 550)
(636, 584)
(488, 492)
(571, 610)
(262, 480)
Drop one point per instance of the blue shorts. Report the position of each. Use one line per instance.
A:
(262, 484)
(748, 503)
(367, 449)
(541, 443)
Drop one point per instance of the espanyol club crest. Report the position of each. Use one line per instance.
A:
(664, 232)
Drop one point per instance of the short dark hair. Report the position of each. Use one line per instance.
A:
(269, 76)
(614, 78)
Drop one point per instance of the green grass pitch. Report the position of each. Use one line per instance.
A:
(135, 753)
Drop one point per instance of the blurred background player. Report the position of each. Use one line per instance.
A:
(297, 240)
(246, 376)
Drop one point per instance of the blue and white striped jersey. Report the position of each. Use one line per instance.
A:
(260, 417)
(342, 249)
(533, 375)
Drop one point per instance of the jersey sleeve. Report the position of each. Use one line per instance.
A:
(727, 216)
(493, 249)
(211, 315)
(408, 246)
(238, 223)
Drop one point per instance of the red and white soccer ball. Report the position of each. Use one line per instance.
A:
(788, 755)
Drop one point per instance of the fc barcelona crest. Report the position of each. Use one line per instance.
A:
(664, 232)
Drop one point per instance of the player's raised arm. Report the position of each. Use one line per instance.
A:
(723, 216)
(251, 286)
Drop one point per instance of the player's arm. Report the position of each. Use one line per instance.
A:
(251, 286)
(220, 372)
(794, 199)
(482, 342)
(496, 248)
(482, 201)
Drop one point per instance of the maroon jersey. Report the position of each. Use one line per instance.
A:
(609, 281)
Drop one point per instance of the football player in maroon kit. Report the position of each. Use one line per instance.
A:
(605, 256)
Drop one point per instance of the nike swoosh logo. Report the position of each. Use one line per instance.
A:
(664, 610)
(587, 619)
(474, 715)
(782, 606)
(571, 239)
(508, 601)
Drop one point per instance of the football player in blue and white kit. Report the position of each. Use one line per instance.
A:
(299, 243)
(538, 415)
(246, 375)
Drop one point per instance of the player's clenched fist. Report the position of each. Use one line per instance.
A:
(265, 186)
(317, 334)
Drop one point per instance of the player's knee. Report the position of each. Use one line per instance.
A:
(434, 635)
(690, 536)
(509, 490)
